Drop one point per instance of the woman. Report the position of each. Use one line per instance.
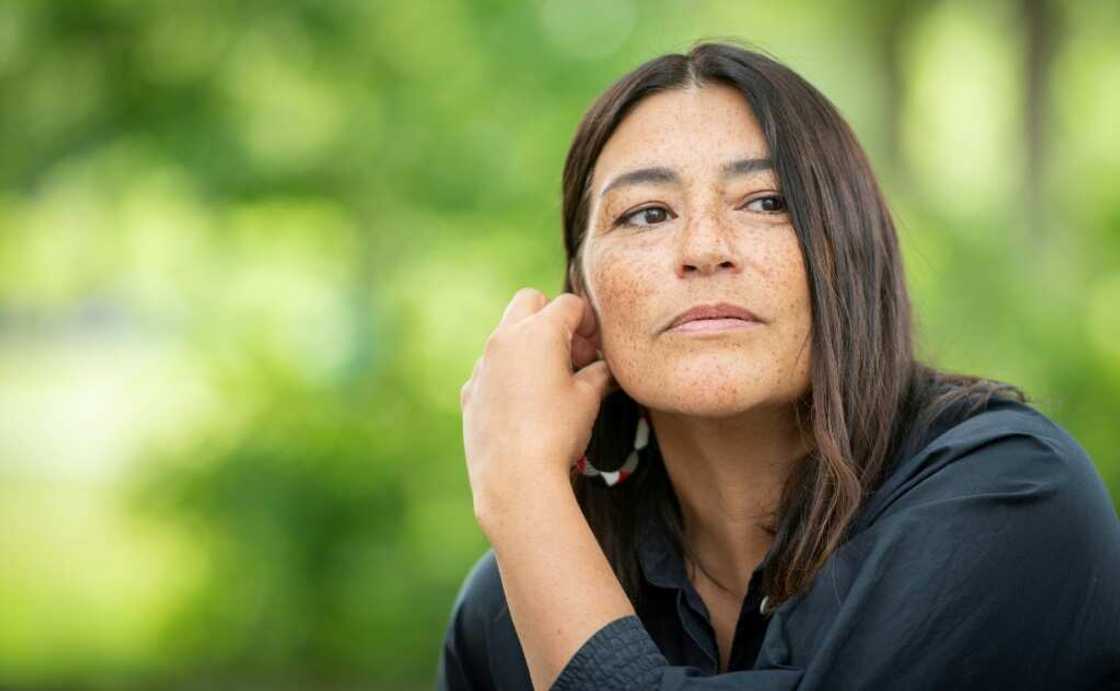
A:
(713, 462)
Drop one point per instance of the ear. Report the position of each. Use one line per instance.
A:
(577, 288)
(573, 279)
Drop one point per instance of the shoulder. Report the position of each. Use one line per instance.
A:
(997, 528)
(1008, 448)
(480, 598)
(480, 640)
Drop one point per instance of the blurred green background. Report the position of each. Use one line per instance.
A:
(249, 252)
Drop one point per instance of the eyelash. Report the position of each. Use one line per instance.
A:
(622, 220)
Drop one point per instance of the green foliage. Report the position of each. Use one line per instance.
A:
(250, 251)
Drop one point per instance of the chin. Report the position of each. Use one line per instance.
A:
(713, 392)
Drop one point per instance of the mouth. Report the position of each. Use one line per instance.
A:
(713, 325)
(722, 316)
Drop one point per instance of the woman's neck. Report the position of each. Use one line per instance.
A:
(728, 475)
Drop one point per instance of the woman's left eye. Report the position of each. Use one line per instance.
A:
(773, 203)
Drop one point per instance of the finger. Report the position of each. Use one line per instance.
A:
(525, 301)
(585, 342)
(569, 309)
(597, 376)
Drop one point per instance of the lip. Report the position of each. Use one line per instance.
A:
(722, 314)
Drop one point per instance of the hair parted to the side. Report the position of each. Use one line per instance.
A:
(868, 391)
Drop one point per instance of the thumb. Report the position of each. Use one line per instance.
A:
(597, 376)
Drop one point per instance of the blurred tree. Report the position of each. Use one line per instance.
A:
(249, 252)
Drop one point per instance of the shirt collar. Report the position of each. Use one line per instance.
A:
(660, 558)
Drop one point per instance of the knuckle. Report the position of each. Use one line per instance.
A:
(528, 292)
(492, 343)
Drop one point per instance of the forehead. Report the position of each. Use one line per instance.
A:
(694, 129)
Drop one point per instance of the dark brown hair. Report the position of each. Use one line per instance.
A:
(868, 397)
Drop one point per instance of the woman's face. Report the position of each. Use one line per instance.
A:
(688, 234)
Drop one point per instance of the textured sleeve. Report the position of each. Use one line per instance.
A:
(991, 562)
(621, 655)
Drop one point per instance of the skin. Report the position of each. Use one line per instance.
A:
(720, 403)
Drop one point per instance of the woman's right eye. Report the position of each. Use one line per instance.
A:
(659, 213)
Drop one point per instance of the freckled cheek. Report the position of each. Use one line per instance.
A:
(625, 289)
(790, 279)
(797, 309)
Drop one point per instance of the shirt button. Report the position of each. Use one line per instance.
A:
(762, 606)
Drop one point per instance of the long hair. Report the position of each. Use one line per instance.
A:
(868, 393)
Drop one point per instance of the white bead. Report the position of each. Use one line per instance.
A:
(641, 437)
(631, 462)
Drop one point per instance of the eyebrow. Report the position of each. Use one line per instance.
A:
(743, 166)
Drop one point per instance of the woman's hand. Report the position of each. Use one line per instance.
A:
(528, 410)
(531, 401)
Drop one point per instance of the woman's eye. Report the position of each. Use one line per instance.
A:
(773, 203)
(652, 215)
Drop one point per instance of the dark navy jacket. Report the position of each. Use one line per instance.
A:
(987, 559)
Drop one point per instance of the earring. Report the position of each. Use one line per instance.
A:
(612, 478)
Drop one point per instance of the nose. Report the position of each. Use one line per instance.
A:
(705, 247)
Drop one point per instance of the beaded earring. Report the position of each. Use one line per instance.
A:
(614, 477)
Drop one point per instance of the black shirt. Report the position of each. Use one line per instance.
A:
(988, 558)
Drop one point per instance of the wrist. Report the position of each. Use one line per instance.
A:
(522, 507)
